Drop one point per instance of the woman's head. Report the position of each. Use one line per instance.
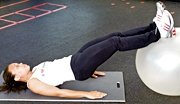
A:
(13, 75)
(18, 70)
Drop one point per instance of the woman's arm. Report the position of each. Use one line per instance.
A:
(41, 88)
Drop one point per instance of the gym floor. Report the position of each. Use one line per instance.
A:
(40, 35)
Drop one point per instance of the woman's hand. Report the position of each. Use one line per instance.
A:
(95, 95)
(97, 74)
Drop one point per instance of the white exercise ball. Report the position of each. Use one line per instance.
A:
(158, 65)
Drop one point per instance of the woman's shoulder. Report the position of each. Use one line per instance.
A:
(34, 85)
(32, 82)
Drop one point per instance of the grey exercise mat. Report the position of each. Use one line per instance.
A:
(112, 83)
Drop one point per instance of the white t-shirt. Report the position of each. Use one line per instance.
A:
(54, 72)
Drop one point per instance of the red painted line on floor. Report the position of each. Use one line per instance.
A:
(5, 20)
(33, 8)
(23, 10)
(39, 5)
(41, 9)
(6, 26)
(27, 15)
(13, 4)
(25, 20)
(64, 7)
(46, 13)
(6, 15)
(30, 17)
(58, 5)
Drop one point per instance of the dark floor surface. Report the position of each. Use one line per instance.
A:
(62, 33)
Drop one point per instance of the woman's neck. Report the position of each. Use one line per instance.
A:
(27, 77)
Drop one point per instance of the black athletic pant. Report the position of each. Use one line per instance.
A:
(97, 51)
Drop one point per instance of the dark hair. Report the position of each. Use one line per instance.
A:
(10, 85)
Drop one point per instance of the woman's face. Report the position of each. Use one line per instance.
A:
(18, 69)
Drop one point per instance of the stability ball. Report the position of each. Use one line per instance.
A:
(158, 65)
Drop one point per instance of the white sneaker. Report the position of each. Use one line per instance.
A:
(160, 9)
(165, 25)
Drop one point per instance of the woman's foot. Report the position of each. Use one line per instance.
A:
(165, 25)
(160, 9)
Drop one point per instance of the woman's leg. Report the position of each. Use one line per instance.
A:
(85, 63)
(140, 30)
(132, 32)
(97, 40)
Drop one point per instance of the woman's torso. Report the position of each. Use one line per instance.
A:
(54, 72)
